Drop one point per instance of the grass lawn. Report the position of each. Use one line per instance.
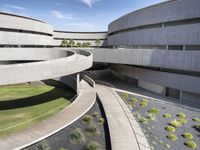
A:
(20, 103)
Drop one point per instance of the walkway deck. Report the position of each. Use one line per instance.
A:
(125, 133)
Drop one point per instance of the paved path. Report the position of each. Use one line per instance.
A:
(80, 106)
(125, 133)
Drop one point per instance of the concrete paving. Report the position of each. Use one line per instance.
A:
(125, 133)
(79, 107)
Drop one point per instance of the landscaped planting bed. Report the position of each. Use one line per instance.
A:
(166, 125)
(90, 132)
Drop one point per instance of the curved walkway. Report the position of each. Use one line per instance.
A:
(125, 132)
(79, 107)
(56, 64)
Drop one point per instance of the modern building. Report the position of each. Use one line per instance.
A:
(155, 48)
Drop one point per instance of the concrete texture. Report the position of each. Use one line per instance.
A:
(125, 133)
(35, 71)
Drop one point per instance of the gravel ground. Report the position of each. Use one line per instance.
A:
(155, 130)
(62, 138)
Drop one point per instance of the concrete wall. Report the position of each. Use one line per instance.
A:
(80, 37)
(152, 87)
(19, 30)
(164, 79)
(35, 71)
(172, 59)
(172, 23)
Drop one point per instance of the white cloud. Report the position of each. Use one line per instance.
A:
(89, 2)
(81, 24)
(14, 7)
(60, 15)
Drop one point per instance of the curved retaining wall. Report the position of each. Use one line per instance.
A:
(80, 37)
(170, 23)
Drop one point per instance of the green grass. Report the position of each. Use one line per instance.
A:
(20, 103)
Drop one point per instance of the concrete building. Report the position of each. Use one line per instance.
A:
(155, 48)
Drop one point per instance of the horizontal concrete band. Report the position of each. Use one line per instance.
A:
(171, 59)
(26, 72)
(10, 21)
(171, 11)
(176, 81)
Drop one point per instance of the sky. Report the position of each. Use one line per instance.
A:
(75, 15)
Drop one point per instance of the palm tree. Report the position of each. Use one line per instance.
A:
(78, 44)
(98, 42)
(64, 43)
(71, 43)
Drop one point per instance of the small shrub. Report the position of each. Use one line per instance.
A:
(151, 117)
(196, 119)
(77, 136)
(43, 146)
(93, 145)
(62, 148)
(101, 121)
(93, 130)
(161, 142)
(95, 114)
(133, 102)
(143, 104)
(142, 120)
(175, 123)
(145, 101)
(181, 115)
(182, 120)
(87, 119)
(154, 111)
(188, 136)
(170, 129)
(167, 115)
(124, 96)
(197, 127)
(172, 137)
(191, 144)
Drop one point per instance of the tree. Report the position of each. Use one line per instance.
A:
(71, 43)
(78, 44)
(98, 42)
(88, 44)
(64, 43)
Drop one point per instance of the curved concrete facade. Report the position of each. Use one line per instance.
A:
(162, 39)
(22, 31)
(81, 37)
(170, 23)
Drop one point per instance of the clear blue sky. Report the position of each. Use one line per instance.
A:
(75, 15)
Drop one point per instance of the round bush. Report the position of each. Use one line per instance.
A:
(93, 145)
(196, 119)
(197, 127)
(170, 129)
(166, 115)
(191, 144)
(172, 137)
(181, 115)
(188, 136)
(77, 136)
(143, 104)
(175, 123)
(154, 111)
(93, 130)
(101, 120)
(87, 119)
(95, 114)
(182, 120)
